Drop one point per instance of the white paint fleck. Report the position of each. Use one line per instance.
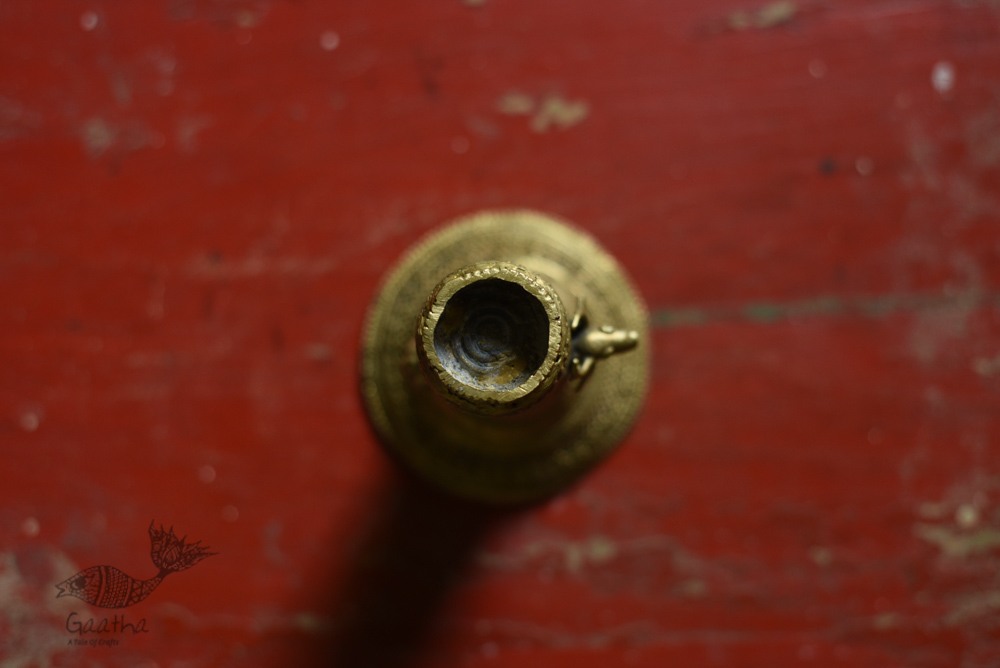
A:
(601, 550)
(966, 516)
(30, 420)
(864, 165)
(188, 130)
(817, 69)
(943, 76)
(987, 366)
(460, 145)
(89, 20)
(206, 473)
(166, 66)
(549, 111)
(959, 545)
(247, 19)
(230, 513)
(768, 16)
(821, 556)
(885, 620)
(978, 605)
(558, 112)
(319, 352)
(329, 40)
(31, 527)
(166, 63)
(516, 103)
(98, 136)
(573, 555)
(692, 588)
(936, 331)
(121, 87)
(30, 636)
(933, 510)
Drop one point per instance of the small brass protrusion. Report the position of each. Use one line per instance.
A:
(593, 343)
(474, 374)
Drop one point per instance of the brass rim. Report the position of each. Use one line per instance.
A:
(503, 380)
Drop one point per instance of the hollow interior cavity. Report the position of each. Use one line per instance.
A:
(492, 335)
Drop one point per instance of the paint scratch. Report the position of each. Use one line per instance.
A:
(973, 606)
(100, 136)
(574, 555)
(869, 306)
(551, 111)
(958, 544)
(30, 615)
(516, 103)
(987, 366)
(261, 622)
(768, 16)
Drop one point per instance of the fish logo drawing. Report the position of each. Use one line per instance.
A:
(108, 587)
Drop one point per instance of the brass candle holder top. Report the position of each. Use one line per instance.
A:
(494, 337)
(504, 356)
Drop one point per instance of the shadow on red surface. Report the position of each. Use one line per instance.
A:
(417, 551)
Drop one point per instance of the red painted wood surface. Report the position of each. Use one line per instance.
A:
(200, 196)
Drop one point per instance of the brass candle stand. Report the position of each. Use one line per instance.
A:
(504, 356)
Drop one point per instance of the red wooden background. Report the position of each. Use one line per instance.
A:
(199, 198)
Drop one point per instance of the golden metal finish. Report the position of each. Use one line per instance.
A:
(494, 336)
(474, 374)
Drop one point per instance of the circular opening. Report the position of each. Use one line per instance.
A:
(492, 335)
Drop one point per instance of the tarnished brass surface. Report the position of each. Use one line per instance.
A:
(505, 355)
(494, 337)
